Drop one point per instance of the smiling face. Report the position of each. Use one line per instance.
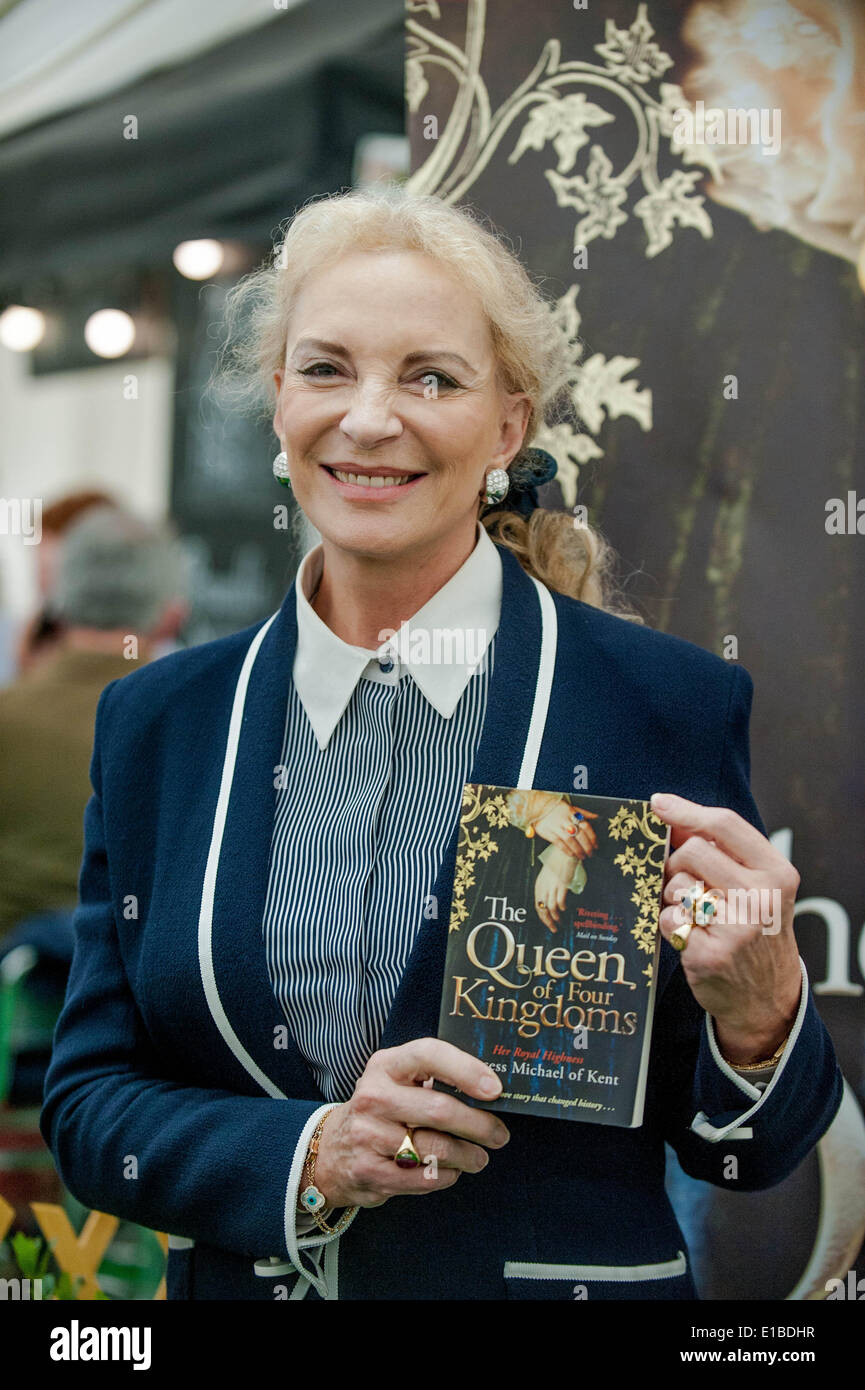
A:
(389, 409)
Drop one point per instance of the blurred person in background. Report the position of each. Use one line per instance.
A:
(117, 586)
(8, 642)
(40, 633)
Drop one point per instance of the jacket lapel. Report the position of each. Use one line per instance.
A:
(251, 1010)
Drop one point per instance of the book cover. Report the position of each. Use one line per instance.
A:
(552, 959)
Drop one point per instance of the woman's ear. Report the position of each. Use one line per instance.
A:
(278, 378)
(516, 412)
(523, 407)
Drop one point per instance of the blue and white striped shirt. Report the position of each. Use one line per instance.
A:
(374, 760)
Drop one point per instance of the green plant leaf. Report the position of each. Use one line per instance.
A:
(26, 1250)
(66, 1290)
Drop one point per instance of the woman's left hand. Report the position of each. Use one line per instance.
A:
(743, 968)
(551, 894)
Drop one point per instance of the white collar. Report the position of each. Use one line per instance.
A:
(459, 620)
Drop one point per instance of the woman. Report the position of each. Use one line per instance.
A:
(270, 843)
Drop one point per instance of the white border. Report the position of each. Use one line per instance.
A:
(616, 1274)
(293, 1240)
(205, 919)
(543, 687)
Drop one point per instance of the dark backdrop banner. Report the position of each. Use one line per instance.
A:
(703, 270)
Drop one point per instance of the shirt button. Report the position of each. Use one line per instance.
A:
(385, 665)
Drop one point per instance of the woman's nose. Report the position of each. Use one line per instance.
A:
(371, 417)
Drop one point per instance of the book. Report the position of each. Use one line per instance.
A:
(557, 998)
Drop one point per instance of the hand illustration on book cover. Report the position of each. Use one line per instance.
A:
(566, 1022)
(571, 839)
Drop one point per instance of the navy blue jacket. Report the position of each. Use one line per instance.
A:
(167, 1101)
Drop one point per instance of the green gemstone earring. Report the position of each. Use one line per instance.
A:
(280, 469)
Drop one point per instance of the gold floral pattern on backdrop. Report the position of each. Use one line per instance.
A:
(557, 106)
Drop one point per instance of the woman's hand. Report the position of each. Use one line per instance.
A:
(551, 887)
(744, 967)
(560, 826)
(355, 1164)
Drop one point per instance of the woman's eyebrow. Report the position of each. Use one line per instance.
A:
(426, 353)
(322, 345)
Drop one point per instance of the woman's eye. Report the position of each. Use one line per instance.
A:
(313, 368)
(436, 377)
(429, 377)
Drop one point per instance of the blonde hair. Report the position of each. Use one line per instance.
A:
(531, 356)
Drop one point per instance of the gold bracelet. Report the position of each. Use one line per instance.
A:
(768, 1062)
(312, 1154)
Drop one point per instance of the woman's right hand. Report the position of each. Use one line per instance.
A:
(560, 826)
(355, 1165)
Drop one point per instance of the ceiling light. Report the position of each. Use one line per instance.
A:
(21, 329)
(199, 260)
(109, 332)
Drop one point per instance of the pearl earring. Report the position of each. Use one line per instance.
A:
(280, 469)
(497, 484)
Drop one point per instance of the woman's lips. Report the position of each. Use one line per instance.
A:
(378, 486)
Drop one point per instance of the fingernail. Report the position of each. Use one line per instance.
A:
(491, 1086)
(660, 799)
